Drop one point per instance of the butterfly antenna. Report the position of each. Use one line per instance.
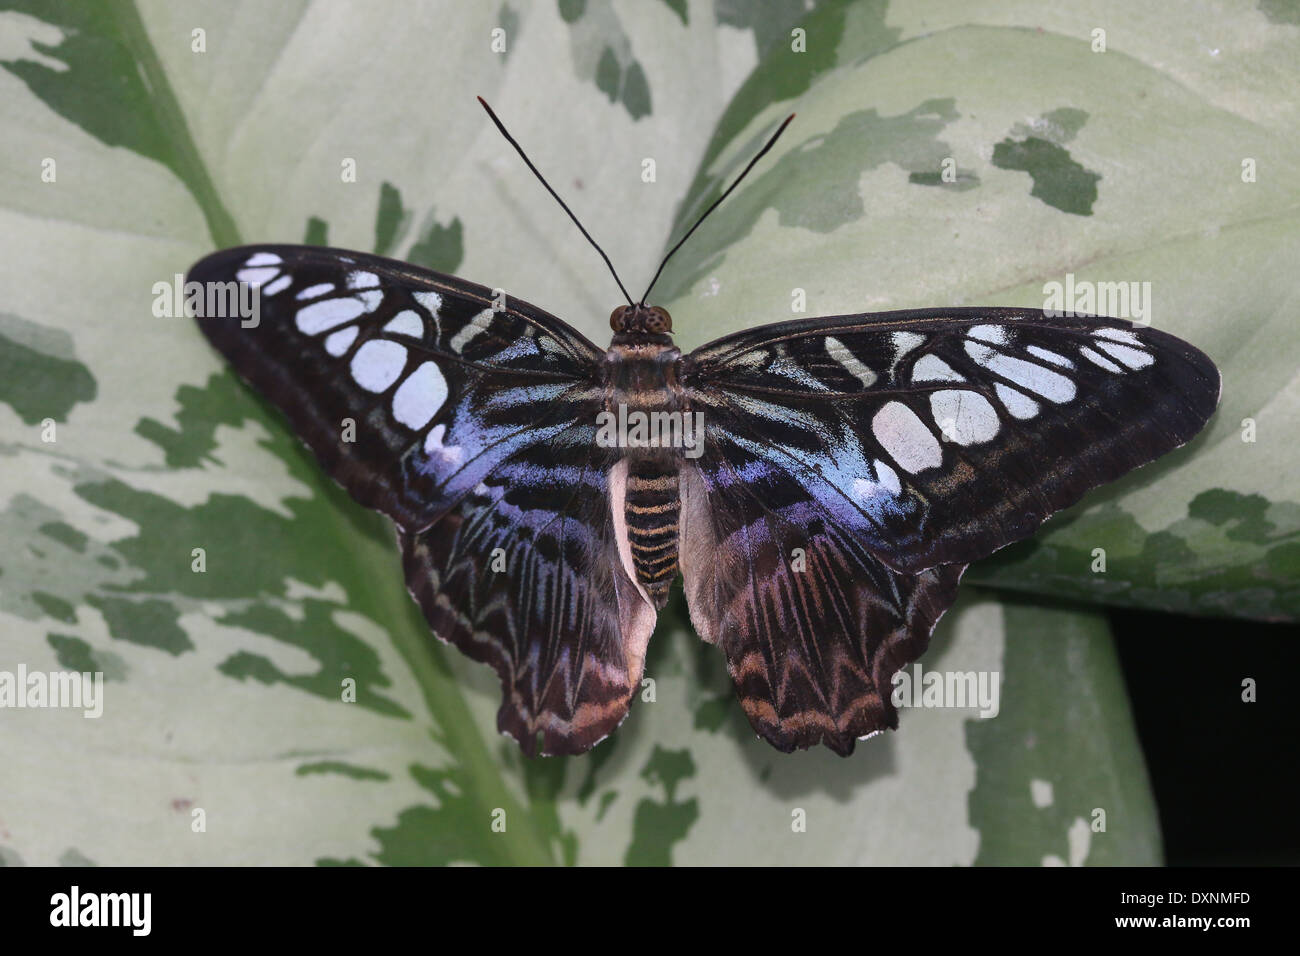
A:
(716, 203)
(524, 156)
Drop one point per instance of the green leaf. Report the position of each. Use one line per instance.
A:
(1067, 166)
(271, 694)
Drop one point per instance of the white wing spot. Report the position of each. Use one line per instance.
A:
(369, 298)
(319, 316)
(255, 277)
(888, 478)
(840, 353)
(312, 291)
(1099, 360)
(1029, 376)
(377, 363)
(362, 280)
(279, 285)
(449, 454)
(972, 419)
(406, 322)
(1052, 357)
(903, 343)
(787, 367)
(931, 368)
(1018, 404)
(1119, 335)
(472, 328)
(430, 300)
(263, 259)
(1133, 358)
(339, 342)
(993, 334)
(904, 436)
(419, 397)
(864, 489)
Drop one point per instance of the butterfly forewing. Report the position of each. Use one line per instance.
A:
(940, 436)
(468, 419)
(408, 385)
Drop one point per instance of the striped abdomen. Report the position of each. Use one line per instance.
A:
(652, 508)
(644, 395)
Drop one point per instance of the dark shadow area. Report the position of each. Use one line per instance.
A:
(1223, 770)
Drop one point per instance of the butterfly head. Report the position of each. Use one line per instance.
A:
(641, 320)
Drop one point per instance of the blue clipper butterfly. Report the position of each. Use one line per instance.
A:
(850, 468)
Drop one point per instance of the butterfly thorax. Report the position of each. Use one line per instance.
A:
(645, 405)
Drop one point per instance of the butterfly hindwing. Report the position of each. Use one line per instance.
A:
(523, 574)
(853, 466)
(470, 421)
(812, 623)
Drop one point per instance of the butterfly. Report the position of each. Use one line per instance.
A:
(819, 485)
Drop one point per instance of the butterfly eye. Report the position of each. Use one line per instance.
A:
(659, 320)
(616, 320)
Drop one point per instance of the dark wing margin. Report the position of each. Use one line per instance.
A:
(469, 419)
(853, 466)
